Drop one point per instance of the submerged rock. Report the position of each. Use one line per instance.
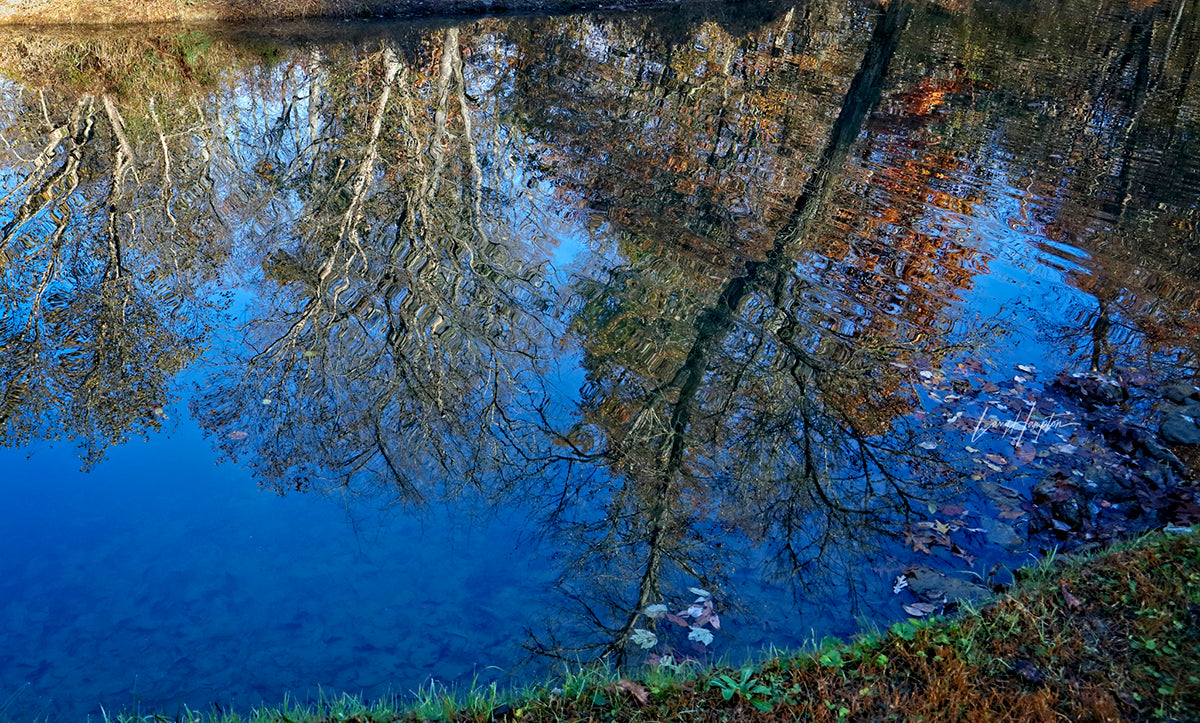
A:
(1104, 484)
(1179, 392)
(1002, 534)
(1092, 389)
(1063, 498)
(1182, 426)
(930, 585)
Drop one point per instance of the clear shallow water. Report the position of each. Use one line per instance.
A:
(347, 358)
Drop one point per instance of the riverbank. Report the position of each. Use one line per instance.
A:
(1108, 637)
(129, 12)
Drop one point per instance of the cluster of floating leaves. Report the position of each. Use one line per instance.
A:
(1068, 463)
(700, 618)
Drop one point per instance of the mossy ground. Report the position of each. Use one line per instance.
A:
(1112, 637)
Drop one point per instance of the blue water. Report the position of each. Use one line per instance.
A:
(163, 578)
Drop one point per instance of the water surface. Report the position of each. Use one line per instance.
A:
(340, 358)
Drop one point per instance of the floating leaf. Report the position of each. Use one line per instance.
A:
(1027, 368)
(643, 638)
(702, 593)
(900, 584)
(237, 435)
(919, 543)
(926, 375)
(700, 635)
(655, 611)
(706, 612)
(996, 459)
(927, 445)
(1025, 453)
(672, 617)
(714, 621)
(951, 510)
(694, 611)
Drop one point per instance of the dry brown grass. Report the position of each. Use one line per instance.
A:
(120, 12)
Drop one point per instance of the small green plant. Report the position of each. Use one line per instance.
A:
(842, 711)
(904, 630)
(747, 688)
(832, 658)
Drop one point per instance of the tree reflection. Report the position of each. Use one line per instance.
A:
(1098, 132)
(755, 419)
(770, 243)
(1144, 244)
(395, 347)
(94, 326)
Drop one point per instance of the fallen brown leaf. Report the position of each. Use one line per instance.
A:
(918, 543)
(638, 691)
(1073, 603)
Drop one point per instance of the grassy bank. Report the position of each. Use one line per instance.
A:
(1111, 637)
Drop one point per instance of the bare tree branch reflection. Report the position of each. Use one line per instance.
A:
(400, 345)
(92, 331)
